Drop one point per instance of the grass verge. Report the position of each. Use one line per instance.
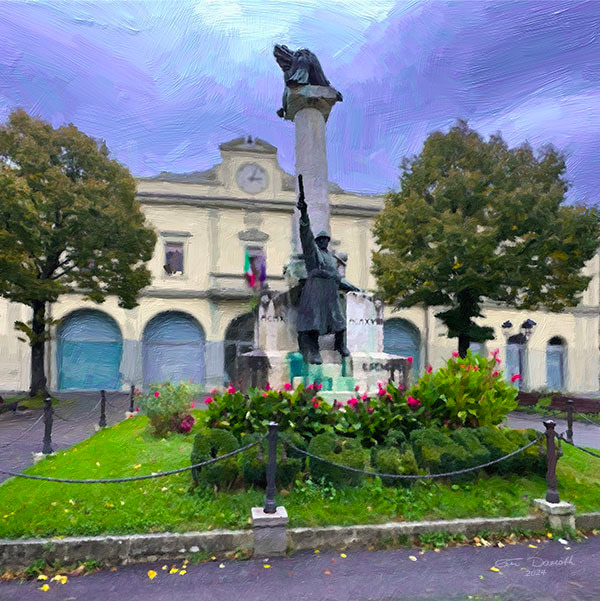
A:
(41, 509)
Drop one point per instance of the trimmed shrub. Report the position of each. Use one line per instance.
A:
(345, 451)
(533, 459)
(494, 439)
(253, 463)
(208, 446)
(467, 439)
(437, 452)
(391, 460)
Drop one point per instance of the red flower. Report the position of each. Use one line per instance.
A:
(231, 389)
(428, 369)
(455, 354)
(265, 394)
(215, 423)
(370, 409)
(130, 415)
(515, 377)
(475, 367)
(352, 402)
(498, 360)
(208, 401)
(309, 387)
(214, 392)
(412, 402)
(495, 374)
(137, 409)
(192, 405)
(365, 397)
(157, 394)
(267, 386)
(315, 403)
(319, 386)
(287, 386)
(356, 388)
(409, 360)
(389, 397)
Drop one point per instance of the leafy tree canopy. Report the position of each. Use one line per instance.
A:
(477, 220)
(69, 221)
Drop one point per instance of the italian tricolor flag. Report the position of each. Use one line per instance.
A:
(248, 270)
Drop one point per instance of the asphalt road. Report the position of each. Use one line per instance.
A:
(550, 572)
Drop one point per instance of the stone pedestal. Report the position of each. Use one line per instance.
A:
(270, 536)
(560, 515)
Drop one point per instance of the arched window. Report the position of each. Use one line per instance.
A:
(173, 349)
(239, 339)
(556, 355)
(400, 337)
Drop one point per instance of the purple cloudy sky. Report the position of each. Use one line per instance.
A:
(165, 82)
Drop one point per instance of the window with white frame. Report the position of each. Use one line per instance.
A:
(173, 258)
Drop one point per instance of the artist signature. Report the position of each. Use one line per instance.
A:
(534, 562)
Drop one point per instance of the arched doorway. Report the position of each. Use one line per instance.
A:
(239, 339)
(173, 349)
(556, 355)
(477, 348)
(400, 337)
(516, 349)
(90, 346)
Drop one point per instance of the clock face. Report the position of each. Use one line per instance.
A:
(252, 178)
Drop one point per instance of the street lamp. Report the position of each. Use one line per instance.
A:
(527, 328)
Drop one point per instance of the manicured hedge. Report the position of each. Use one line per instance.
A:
(213, 444)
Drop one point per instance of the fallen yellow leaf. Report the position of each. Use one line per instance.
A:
(412, 558)
(98, 463)
(42, 577)
(343, 555)
(501, 545)
(266, 566)
(494, 569)
(481, 577)
(137, 467)
(182, 572)
(213, 558)
(151, 574)
(328, 572)
(173, 571)
(533, 546)
(44, 587)
(317, 551)
(221, 565)
(549, 535)
(165, 568)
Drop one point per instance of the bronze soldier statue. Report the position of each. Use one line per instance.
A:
(319, 311)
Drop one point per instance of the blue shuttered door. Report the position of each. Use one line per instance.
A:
(90, 346)
(477, 348)
(173, 349)
(401, 338)
(514, 360)
(555, 367)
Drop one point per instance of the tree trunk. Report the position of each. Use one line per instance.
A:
(38, 376)
(463, 345)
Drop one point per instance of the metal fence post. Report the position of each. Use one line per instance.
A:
(570, 420)
(131, 395)
(102, 422)
(270, 505)
(551, 459)
(47, 443)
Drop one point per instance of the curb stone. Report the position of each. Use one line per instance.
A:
(139, 548)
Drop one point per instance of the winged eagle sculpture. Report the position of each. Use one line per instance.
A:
(300, 68)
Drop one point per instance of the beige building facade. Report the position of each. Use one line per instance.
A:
(212, 226)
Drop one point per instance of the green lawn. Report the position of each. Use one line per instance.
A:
(31, 508)
(33, 402)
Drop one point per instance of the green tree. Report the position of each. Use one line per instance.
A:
(69, 222)
(475, 220)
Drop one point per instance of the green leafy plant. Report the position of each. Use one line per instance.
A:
(168, 406)
(468, 391)
(209, 446)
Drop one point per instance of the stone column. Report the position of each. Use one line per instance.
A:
(309, 107)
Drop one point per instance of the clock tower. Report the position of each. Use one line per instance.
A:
(250, 168)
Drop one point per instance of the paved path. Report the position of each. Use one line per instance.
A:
(80, 418)
(550, 572)
(584, 434)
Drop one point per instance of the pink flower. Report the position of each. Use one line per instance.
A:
(365, 397)
(137, 392)
(137, 409)
(130, 416)
(400, 386)
(475, 367)
(267, 386)
(265, 394)
(455, 354)
(356, 388)
(352, 402)
(214, 392)
(370, 409)
(412, 402)
(287, 386)
(208, 401)
(409, 360)
(495, 374)
(389, 397)
(515, 377)
(315, 403)
(157, 394)
(192, 405)
(428, 369)
(215, 423)
(309, 387)
(494, 353)
(231, 389)
(319, 386)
